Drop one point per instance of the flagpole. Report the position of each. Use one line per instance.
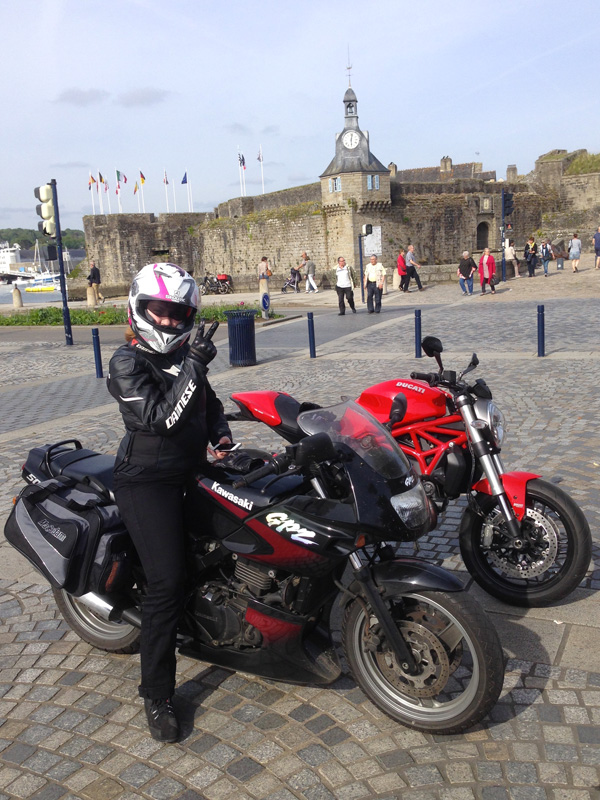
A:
(240, 171)
(262, 174)
(100, 193)
(91, 185)
(191, 197)
(244, 177)
(118, 192)
(138, 199)
(166, 190)
(142, 193)
(107, 187)
(174, 199)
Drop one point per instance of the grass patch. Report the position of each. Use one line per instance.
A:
(584, 164)
(112, 315)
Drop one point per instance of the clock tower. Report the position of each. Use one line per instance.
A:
(354, 176)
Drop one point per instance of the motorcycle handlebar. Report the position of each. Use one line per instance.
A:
(277, 466)
(429, 377)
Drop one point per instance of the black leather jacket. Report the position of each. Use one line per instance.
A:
(169, 410)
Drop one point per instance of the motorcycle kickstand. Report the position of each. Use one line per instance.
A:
(397, 643)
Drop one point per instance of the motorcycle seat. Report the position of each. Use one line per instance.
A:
(85, 466)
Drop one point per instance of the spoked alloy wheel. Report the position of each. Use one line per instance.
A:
(202, 288)
(455, 646)
(114, 637)
(551, 559)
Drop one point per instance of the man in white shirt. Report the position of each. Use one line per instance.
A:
(344, 286)
(374, 284)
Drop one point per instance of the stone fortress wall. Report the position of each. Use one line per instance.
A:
(442, 211)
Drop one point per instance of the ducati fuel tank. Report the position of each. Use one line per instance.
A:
(424, 401)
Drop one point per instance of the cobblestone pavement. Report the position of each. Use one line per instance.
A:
(71, 725)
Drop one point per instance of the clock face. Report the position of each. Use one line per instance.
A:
(350, 139)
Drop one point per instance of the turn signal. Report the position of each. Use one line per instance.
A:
(360, 540)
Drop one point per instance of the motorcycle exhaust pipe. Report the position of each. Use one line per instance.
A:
(99, 605)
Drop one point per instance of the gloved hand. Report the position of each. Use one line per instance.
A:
(202, 348)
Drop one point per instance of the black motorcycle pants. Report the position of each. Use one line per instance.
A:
(151, 505)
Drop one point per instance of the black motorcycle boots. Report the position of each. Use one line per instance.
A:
(162, 720)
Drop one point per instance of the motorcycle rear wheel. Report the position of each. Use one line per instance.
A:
(114, 637)
(202, 288)
(456, 647)
(557, 556)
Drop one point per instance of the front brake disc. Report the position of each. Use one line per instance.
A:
(530, 562)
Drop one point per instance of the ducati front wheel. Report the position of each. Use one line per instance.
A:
(114, 637)
(549, 560)
(456, 649)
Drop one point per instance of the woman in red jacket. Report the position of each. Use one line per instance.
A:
(487, 269)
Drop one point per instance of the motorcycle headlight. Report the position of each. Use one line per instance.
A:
(412, 507)
(490, 416)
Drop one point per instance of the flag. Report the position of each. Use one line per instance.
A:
(259, 157)
(184, 179)
(165, 179)
(118, 189)
(91, 180)
(143, 180)
(105, 185)
(135, 188)
(121, 176)
(100, 178)
(242, 161)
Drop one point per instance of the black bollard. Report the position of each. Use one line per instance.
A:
(311, 335)
(97, 356)
(541, 332)
(418, 353)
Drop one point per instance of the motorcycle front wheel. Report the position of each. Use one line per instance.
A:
(114, 637)
(202, 288)
(553, 555)
(457, 651)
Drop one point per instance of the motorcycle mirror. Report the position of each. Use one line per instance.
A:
(432, 346)
(474, 361)
(398, 409)
(315, 448)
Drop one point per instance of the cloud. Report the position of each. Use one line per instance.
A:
(302, 179)
(70, 165)
(82, 97)
(143, 97)
(238, 128)
(270, 130)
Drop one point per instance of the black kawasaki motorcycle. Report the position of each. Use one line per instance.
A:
(274, 543)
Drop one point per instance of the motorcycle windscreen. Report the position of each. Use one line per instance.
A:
(349, 424)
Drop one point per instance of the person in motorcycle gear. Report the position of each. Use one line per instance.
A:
(170, 413)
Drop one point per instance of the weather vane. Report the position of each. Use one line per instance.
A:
(349, 67)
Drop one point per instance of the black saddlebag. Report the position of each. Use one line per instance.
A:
(73, 535)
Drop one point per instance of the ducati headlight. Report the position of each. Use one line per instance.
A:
(412, 507)
(490, 416)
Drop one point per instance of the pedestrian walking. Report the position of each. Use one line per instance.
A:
(170, 413)
(596, 243)
(575, 252)
(373, 283)
(404, 279)
(530, 253)
(510, 256)
(487, 271)
(411, 267)
(546, 255)
(309, 269)
(344, 286)
(94, 281)
(465, 271)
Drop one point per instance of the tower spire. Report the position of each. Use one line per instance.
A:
(349, 67)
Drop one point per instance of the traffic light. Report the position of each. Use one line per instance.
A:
(367, 230)
(509, 206)
(45, 209)
(509, 227)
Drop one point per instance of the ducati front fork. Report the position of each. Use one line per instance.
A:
(492, 467)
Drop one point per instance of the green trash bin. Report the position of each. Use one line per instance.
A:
(242, 340)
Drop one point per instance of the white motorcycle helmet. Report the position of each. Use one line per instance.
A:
(169, 283)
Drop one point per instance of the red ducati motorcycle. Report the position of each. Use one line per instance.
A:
(522, 539)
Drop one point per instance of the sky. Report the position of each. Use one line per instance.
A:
(182, 85)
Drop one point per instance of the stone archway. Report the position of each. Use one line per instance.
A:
(483, 235)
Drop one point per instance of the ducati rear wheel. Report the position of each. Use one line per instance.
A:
(457, 652)
(114, 637)
(553, 555)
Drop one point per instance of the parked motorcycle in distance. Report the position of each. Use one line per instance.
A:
(219, 284)
(269, 541)
(523, 540)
